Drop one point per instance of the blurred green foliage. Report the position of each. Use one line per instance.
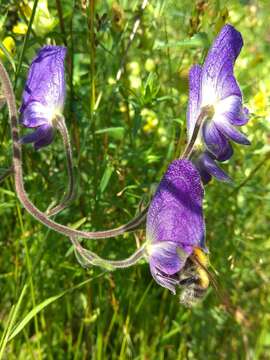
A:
(124, 134)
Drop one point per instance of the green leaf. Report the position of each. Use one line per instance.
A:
(19, 327)
(11, 320)
(106, 178)
(116, 132)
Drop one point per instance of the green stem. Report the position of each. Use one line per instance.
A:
(252, 173)
(93, 104)
(30, 272)
(25, 42)
(135, 28)
(61, 20)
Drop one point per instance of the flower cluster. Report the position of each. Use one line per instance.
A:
(175, 222)
(175, 228)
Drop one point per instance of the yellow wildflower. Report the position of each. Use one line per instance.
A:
(20, 28)
(9, 45)
(150, 119)
(44, 21)
(260, 102)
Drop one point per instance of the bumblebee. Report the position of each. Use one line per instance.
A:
(194, 279)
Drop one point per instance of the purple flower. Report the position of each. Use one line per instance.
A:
(214, 85)
(44, 95)
(175, 223)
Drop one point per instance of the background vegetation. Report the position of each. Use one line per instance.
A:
(124, 134)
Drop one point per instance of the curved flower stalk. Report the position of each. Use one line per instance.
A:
(175, 224)
(88, 258)
(214, 86)
(19, 184)
(71, 192)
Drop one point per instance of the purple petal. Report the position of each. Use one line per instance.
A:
(229, 107)
(227, 129)
(175, 213)
(34, 115)
(46, 82)
(242, 118)
(164, 280)
(228, 111)
(207, 164)
(205, 176)
(217, 74)
(226, 83)
(47, 140)
(216, 142)
(167, 257)
(42, 135)
(194, 98)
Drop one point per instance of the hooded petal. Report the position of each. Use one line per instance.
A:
(175, 213)
(194, 98)
(217, 73)
(46, 82)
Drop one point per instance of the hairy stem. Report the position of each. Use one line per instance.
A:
(61, 126)
(190, 145)
(19, 184)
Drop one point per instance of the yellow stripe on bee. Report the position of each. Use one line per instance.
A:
(201, 256)
(204, 278)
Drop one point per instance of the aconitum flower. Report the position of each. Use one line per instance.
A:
(44, 95)
(175, 223)
(214, 86)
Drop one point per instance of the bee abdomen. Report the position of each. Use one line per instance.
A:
(192, 295)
